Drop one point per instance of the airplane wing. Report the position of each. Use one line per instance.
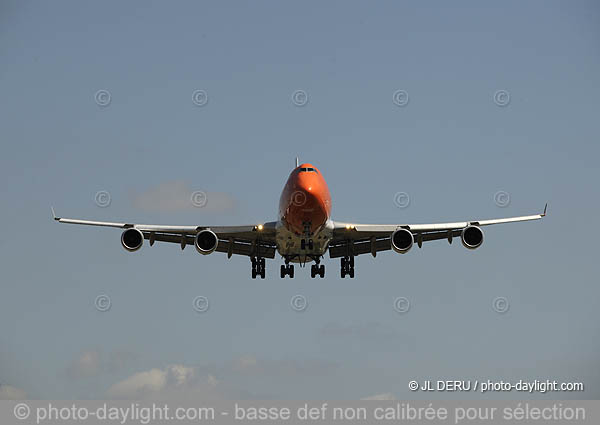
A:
(355, 238)
(249, 240)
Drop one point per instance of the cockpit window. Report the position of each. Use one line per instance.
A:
(313, 170)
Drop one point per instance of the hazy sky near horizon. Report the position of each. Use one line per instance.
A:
(451, 148)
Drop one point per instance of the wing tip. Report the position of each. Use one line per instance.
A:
(545, 209)
(54, 216)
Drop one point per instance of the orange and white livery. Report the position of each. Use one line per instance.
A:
(304, 232)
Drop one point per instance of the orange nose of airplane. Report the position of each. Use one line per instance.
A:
(306, 201)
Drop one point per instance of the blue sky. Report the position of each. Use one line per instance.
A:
(451, 148)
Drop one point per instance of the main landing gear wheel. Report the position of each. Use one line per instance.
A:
(316, 269)
(287, 269)
(258, 267)
(347, 267)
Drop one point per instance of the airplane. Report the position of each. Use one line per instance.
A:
(304, 232)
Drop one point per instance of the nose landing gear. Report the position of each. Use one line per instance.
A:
(307, 240)
(347, 267)
(304, 243)
(258, 267)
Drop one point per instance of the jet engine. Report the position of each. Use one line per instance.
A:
(402, 241)
(206, 242)
(132, 239)
(472, 237)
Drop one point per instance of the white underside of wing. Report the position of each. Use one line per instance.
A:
(93, 223)
(266, 229)
(142, 227)
(432, 227)
(461, 224)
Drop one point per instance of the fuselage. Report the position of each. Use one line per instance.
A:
(304, 214)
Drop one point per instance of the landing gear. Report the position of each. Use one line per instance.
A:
(304, 243)
(287, 269)
(316, 269)
(307, 240)
(347, 267)
(258, 267)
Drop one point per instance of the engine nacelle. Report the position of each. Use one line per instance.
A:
(132, 239)
(206, 242)
(402, 241)
(472, 237)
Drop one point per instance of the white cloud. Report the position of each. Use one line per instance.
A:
(153, 380)
(179, 196)
(12, 393)
(172, 381)
(383, 396)
(239, 379)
